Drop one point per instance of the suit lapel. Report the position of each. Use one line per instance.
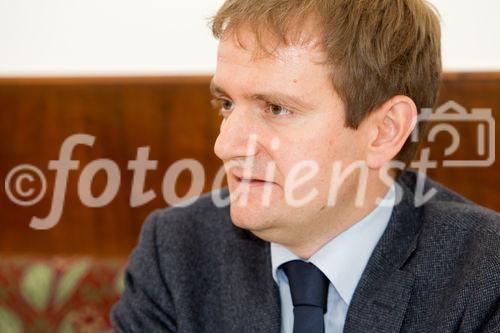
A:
(380, 300)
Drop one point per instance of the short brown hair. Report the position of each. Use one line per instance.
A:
(376, 48)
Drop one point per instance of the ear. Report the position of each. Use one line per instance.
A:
(389, 126)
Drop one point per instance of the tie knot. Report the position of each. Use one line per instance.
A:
(308, 285)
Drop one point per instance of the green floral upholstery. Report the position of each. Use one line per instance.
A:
(58, 295)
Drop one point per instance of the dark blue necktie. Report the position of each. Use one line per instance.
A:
(309, 289)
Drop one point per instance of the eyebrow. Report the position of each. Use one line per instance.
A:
(272, 97)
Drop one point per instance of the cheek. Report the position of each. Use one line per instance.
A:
(325, 152)
(302, 162)
(323, 140)
(320, 145)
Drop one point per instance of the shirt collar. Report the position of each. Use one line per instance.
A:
(344, 258)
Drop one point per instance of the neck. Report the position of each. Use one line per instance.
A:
(332, 221)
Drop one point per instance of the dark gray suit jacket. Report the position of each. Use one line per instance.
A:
(435, 269)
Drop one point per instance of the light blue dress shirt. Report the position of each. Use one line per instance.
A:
(342, 260)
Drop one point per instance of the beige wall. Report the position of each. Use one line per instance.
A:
(78, 37)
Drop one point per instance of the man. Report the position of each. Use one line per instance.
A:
(318, 97)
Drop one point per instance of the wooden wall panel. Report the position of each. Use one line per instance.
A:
(470, 90)
(172, 116)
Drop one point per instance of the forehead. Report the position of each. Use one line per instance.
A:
(243, 41)
(241, 56)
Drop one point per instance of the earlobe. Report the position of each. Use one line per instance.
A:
(392, 124)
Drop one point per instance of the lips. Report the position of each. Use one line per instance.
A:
(249, 180)
(252, 181)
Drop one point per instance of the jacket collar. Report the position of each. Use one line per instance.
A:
(382, 295)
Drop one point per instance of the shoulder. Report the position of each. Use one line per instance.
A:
(450, 210)
(455, 260)
(457, 237)
(200, 223)
(454, 231)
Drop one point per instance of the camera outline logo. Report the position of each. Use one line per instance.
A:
(450, 112)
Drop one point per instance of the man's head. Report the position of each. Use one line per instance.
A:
(320, 81)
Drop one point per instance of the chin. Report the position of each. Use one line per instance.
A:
(252, 219)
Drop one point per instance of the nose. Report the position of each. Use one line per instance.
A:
(238, 136)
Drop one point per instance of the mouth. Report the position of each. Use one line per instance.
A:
(250, 181)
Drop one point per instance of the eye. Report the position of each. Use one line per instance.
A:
(224, 106)
(278, 110)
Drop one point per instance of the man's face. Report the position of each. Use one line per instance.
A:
(280, 111)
